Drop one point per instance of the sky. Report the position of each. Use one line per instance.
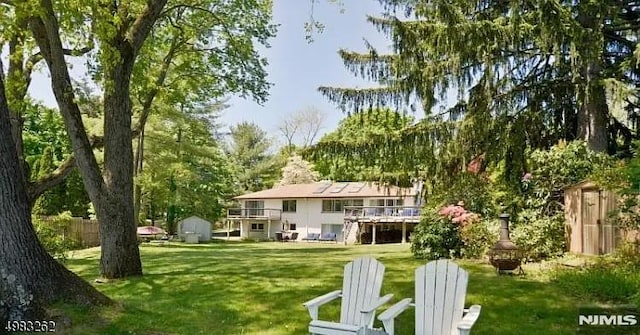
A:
(296, 68)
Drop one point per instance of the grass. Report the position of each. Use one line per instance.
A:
(259, 288)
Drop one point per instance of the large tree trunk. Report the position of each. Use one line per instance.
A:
(112, 195)
(593, 112)
(30, 278)
(593, 117)
(120, 253)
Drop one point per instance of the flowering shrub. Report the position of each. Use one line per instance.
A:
(538, 206)
(436, 237)
(451, 231)
(458, 215)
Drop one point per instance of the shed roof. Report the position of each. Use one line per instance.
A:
(329, 190)
(585, 183)
(194, 218)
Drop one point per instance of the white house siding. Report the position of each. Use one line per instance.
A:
(274, 224)
(309, 218)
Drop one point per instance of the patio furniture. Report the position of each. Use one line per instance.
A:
(311, 237)
(440, 291)
(279, 237)
(294, 237)
(329, 237)
(360, 298)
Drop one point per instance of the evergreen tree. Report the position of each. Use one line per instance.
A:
(357, 129)
(529, 74)
(255, 168)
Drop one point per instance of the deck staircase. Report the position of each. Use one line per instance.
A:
(351, 228)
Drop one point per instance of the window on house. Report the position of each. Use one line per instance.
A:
(389, 202)
(336, 206)
(254, 207)
(257, 226)
(289, 206)
(292, 226)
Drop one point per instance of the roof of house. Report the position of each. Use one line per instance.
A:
(329, 190)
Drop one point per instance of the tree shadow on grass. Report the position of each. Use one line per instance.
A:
(259, 289)
(510, 304)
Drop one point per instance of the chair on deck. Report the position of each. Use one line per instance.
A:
(279, 237)
(440, 292)
(360, 298)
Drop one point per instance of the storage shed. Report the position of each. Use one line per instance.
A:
(589, 229)
(196, 225)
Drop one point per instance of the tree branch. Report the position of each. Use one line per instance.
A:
(37, 57)
(143, 24)
(46, 32)
(36, 189)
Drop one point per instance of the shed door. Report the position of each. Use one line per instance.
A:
(610, 237)
(590, 222)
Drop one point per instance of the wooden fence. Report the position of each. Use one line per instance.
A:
(84, 231)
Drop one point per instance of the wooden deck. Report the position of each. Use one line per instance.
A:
(382, 214)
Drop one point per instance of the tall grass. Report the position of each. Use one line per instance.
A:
(611, 279)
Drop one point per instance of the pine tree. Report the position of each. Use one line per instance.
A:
(528, 73)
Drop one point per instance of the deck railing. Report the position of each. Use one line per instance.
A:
(254, 213)
(376, 212)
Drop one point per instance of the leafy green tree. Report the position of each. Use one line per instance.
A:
(30, 279)
(356, 129)
(527, 79)
(186, 172)
(249, 150)
(46, 146)
(120, 30)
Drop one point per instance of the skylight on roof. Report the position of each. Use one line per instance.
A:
(322, 188)
(355, 188)
(338, 188)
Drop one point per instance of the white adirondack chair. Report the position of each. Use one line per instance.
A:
(360, 298)
(441, 288)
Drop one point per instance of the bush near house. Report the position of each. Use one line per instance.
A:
(451, 232)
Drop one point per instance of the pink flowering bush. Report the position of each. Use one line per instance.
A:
(458, 214)
(451, 231)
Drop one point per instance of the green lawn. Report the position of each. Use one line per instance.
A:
(259, 288)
